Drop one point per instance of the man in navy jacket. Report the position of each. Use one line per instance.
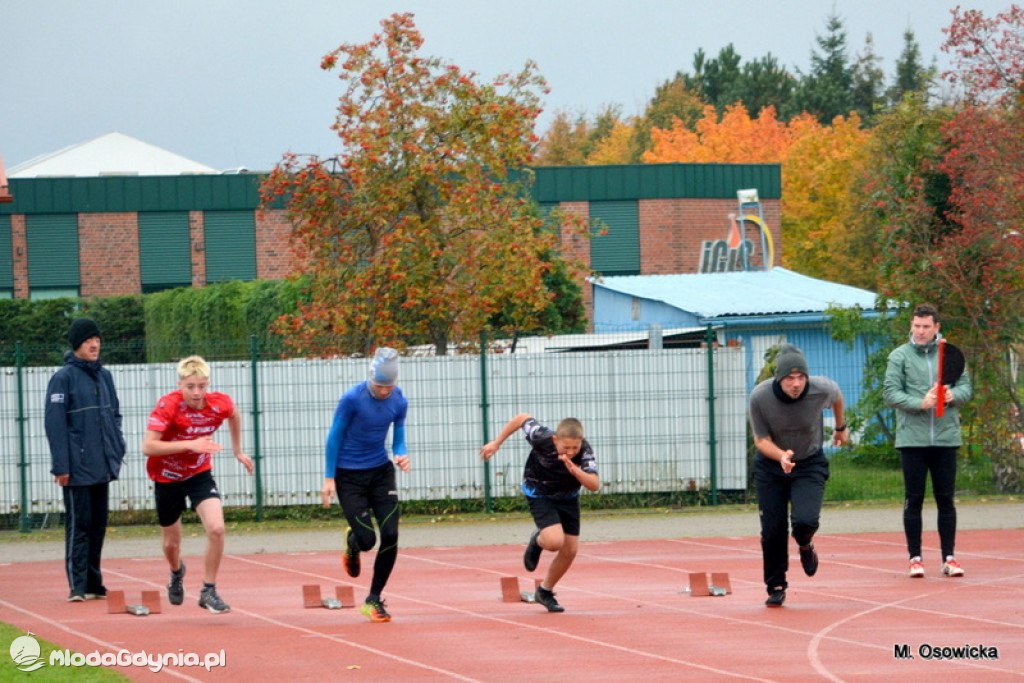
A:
(83, 426)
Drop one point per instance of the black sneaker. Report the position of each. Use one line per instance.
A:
(176, 588)
(809, 559)
(350, 558)
(776, 597)
(208, 599)
(547, 598)
(76, 597)
(98, 594)
(533, 551)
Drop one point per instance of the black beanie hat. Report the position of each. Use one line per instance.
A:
(82, 329)
(790, 359)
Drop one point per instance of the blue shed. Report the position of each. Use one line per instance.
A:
(755, 309)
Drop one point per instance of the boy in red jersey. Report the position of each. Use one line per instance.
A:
(179, 444)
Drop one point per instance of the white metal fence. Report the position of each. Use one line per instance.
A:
(646, 413)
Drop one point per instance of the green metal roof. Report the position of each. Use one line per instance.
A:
(133, 193)
(655, 181)
(241, 192)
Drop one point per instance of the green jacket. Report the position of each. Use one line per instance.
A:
(911, 372)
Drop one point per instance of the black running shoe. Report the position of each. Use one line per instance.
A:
(547, 598)
(350, 558)
(776, 597)
(533, 551)
(176, 588)
(809, 559)
(98, 594)
(208, 599)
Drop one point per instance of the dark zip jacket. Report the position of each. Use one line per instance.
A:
(83, 423)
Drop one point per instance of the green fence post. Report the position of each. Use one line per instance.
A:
(254, 354)
(19, 362)
(712, 440)
(484, 406)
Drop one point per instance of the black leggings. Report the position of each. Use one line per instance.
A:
(361, 492)
(917, 463)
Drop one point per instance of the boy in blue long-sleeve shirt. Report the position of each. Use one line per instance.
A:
(359, 470)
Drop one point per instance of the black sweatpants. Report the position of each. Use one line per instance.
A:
(85, 526)
(777, 492)
(917, 463)
(361, 492)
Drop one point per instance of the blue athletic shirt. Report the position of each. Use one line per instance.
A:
(360, 429)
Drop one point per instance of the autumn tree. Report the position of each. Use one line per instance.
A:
(732, 138)
(979, 258)
(819, 172)
(421, 229)
(615, 148)
(572, 139)
(672, 100)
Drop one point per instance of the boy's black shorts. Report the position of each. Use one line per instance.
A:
(565, 511)
(170, 496)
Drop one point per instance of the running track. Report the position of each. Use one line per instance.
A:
(627, 615)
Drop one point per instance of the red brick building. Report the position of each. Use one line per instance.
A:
(114, 235)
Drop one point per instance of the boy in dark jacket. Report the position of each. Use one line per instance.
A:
(83, 427)
(561, 461)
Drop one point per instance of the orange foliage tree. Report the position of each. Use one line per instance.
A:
(819, 164)
(733, 138)
(421, 229)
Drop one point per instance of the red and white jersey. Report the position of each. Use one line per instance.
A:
(178, 422)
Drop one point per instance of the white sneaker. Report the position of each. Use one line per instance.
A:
(951, 567)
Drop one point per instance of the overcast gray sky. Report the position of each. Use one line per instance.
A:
(232, 83)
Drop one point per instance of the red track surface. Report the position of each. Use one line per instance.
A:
(627, 615)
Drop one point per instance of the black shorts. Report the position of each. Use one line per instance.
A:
(170, 496)
(548, 511)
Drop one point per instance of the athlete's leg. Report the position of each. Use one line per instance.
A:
(386, 509)
(211, 513)
(915, 473)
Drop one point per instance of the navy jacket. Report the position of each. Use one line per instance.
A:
(83, 423)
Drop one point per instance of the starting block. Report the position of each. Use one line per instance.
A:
(150, 604)
(718, 585)
(344, 596)
(510, 590)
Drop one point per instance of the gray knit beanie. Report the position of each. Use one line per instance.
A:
(384, 367)
(790, 359)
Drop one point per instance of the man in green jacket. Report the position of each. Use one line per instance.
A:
(926, 442)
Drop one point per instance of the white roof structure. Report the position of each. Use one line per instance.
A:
(110, 154)
(742, 293)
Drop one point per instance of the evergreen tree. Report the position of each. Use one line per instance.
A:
(911, 74)
(826, 92)
(868, 83)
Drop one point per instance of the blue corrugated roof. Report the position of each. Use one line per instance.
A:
(758, 292)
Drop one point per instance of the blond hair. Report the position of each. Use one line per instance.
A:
(193, 365)
(569, 428)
